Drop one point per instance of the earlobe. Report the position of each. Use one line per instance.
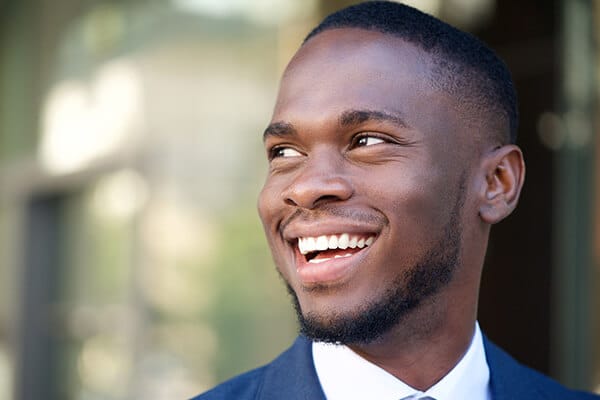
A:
(504, 174)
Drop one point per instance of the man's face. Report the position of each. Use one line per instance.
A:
(363, 200)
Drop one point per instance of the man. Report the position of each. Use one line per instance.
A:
(391, 154)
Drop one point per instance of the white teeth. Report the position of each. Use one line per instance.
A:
(331, 242)
(310, 244)
(302, 245)
(344, 256)
(343, 242)
(322, 243)
(318, 260)
(352, 243)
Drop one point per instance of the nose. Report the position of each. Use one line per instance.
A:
(321, 180)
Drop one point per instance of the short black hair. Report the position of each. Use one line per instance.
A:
(465, 67)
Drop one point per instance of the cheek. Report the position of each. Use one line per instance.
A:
(270, 210)
(268, 205)
(262, 204)
(416, 204)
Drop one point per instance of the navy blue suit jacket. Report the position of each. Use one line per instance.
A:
(292, 376)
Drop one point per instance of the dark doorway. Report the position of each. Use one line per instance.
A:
(515, 300)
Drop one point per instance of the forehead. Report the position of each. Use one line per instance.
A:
(369, 51)
(343, 69)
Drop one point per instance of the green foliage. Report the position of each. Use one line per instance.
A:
(252, 315)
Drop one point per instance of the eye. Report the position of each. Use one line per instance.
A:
(367, 140)
(282, 151)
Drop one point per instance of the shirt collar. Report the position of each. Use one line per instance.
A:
(345, 375)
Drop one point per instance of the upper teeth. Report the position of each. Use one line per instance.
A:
(342, 241)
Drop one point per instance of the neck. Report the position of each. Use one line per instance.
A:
(427, 344)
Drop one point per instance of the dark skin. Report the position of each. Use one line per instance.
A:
(360, 142)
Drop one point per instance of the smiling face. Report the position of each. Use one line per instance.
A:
(368, 181)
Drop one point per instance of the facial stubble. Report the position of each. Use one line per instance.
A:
(409, 290)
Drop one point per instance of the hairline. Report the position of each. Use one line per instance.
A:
(437, 62)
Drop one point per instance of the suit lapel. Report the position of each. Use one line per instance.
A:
(509, 380)
(292, 375)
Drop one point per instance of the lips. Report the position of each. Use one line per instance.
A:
(312, 247)
(331, 258)
(328, 246)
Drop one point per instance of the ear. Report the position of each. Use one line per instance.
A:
(503, 173)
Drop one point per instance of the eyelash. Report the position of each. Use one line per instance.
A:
(273, 152)
(361, 136)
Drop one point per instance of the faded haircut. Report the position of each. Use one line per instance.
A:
(464, 67)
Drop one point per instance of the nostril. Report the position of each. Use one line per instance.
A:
(322, 199)
(326, 199)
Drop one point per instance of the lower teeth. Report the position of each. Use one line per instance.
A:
(320, 260)
(345, 255)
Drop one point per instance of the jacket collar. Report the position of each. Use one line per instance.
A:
(292, 375)
(511, 380)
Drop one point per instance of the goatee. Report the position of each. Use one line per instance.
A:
(424, 279)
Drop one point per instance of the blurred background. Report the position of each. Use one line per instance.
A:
(132, 261)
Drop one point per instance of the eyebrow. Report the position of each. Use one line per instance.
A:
(347, 119)
(356, 117)
(279, 129)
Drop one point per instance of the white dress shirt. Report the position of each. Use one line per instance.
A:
(344, 375)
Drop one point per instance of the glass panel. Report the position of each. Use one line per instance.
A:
(18, 113)
(94, 309)
(166, 285)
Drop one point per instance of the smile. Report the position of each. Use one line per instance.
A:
(326, 247)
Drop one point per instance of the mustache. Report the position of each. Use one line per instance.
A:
(355, 215)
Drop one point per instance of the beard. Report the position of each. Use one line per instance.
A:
(424, 279)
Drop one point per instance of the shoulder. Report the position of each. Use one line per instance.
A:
(510, 379)
(274, 380)
(245, 386)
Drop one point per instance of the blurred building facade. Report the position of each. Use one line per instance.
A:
(132, 262)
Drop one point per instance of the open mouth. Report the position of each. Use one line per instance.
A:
(324, 248)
